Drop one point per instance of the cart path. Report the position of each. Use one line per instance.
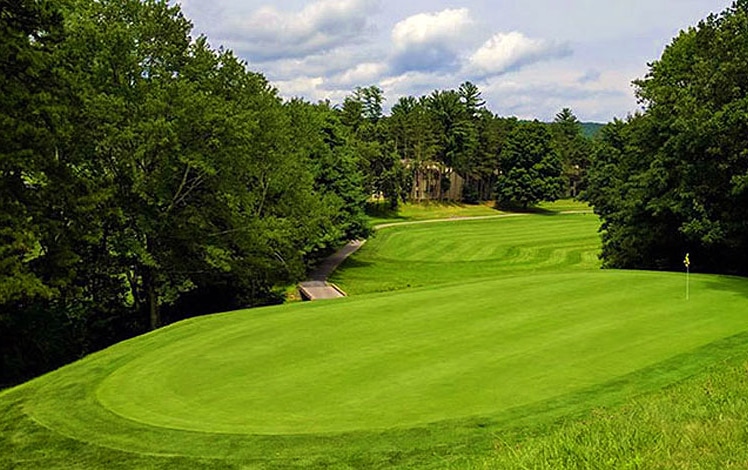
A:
(317, 287)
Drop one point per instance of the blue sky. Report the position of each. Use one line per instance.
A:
(530, 58)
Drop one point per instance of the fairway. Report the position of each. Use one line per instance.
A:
(446, 252)
(525, 329)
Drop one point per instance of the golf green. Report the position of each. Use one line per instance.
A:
(387, 361)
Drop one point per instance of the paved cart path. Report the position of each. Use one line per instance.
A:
(317, 287)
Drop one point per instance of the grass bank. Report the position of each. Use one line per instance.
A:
(408, 256)
(430, 210)
(515, 352)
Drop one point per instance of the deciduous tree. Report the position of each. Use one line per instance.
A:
(530, 167)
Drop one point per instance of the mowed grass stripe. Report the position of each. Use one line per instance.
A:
(436, 242)
(511, 334)
(383, 362)
(450, 252)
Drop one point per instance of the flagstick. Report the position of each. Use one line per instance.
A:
(687, 264)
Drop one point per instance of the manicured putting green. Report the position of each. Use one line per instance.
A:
(398, 361)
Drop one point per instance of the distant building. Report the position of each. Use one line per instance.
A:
(432, 181)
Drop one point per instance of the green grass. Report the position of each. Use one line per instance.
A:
(427, 254)
(565, 205)
(353, 378)
(431, 210)
(517, 353)
(698, 423)
(428, 210)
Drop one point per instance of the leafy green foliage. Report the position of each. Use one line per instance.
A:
(323, 142)
(29, 32)
(672, 180)
(381, 166)
(573, 149)
(531, 168)
(144, 173)
(591, 129)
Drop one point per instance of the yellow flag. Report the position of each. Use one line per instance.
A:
(687, 261)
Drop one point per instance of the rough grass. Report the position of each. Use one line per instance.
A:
(699, 423)
(428, 210)
(547, 362)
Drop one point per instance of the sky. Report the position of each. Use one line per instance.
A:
(529, 58)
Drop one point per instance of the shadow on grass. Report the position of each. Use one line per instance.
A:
(354, 263)
(518, 209)
(382, 210)
(729, 283)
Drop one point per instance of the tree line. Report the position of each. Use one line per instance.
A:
(146, 177)
(500, 158)
(673, 178)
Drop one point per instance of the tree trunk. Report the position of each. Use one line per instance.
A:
(153, 310)
(149, 282)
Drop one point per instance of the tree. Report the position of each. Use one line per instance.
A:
(321, 140)
(381, 165)
(572, 148)
(530, 167)
(371, 99)
(29, 32)
(492, 135)
(145, 177)
(412, 129)
(681, 167)
(34, 333)
(471, 98)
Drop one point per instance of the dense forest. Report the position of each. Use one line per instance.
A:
(146, 177)
(673, 179)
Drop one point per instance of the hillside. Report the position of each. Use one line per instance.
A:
(590, 129)
(459, 371)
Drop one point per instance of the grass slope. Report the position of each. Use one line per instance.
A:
(427, 254)
(432, 210)
(498, 372)
(696, 424)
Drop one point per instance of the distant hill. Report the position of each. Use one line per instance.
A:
(590, 129)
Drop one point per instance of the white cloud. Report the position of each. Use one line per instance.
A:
(269, 34)
(416, 84)
(505, 52)
(330, 63)
(363, 74)
(590, 76)
(298, 86)
(527, 94)
(324, 48)
(426, 28)
(430, 41)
